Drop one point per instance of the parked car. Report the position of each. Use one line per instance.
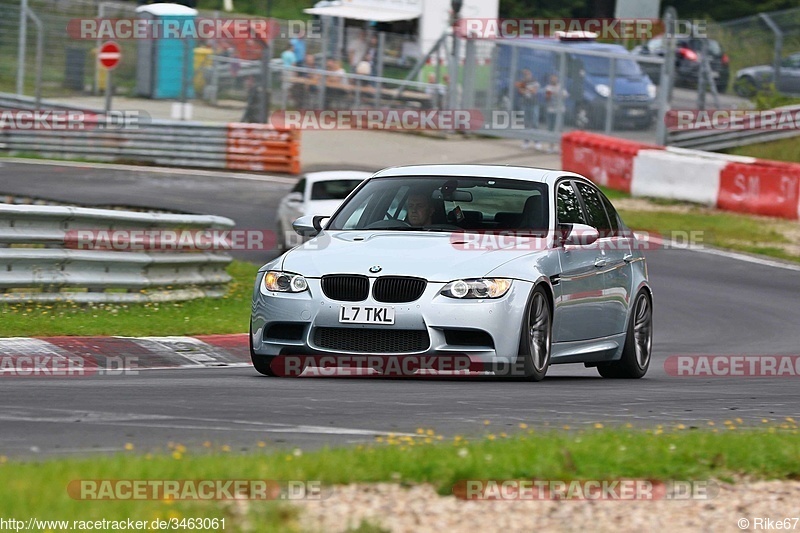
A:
(514, 267)
(687, 61)
(317, 193)
(750, 80)
(588, 80)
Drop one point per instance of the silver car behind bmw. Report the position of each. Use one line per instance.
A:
(510, 268)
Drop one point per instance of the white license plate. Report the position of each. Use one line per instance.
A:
(360, 314)
(636, 112)
(715, 75)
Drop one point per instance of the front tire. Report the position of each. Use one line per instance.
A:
(536, 336)
(636, 353)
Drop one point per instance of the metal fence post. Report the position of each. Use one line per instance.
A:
(23, 12)
(512, 75)
(468, 96)
(452, 89)
(778, 45)
(39, 56)
(667, 67)
(379, 67)
(560, 107)
(612, 78)
(323, 79)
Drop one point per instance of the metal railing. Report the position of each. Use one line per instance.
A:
(41, 261)
(737, 132)
(137, 138)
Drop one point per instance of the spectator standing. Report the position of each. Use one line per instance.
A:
(527, 101)
(299, 47)
(555, 96)
(357, 48)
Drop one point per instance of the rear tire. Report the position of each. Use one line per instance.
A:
(262, 363)
(636, 353)
(535, 339)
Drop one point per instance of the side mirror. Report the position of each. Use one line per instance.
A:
(581, 235)
(309, 225)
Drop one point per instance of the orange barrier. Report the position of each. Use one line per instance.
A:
(607, 161)
(263, 148)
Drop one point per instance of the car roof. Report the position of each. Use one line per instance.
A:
(544, 175)
(329, 175)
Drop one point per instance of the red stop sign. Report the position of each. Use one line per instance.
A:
(110, 54)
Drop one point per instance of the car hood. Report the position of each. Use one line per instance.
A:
(758, 70)
(435, 256)
(623, 85)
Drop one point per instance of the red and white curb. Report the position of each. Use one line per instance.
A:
(139, 353)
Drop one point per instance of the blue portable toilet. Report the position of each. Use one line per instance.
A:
(162, 61)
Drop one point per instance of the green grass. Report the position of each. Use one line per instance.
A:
(744, 233)
(229, 314)
(782, 150)
(673, 453)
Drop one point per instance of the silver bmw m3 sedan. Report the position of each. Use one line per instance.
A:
(511, 269)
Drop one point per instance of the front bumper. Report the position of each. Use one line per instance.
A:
(641, 111)
(488, 330)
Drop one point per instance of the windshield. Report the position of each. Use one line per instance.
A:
(445, 204)
(601, 66)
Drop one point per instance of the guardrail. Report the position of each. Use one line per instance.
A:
(740, 131)
(238, 146)
(41, 261)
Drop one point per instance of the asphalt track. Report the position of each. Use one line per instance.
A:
(705, 303)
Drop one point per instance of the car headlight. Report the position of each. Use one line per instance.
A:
(277, 281)
(651, 90)
(476, 288)
(603, 90)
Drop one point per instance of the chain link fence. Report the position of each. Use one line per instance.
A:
(757, 45)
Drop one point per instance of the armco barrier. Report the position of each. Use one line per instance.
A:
(37, 264)
(733, 132)
(254, 147)
(607, 160)
(733, 183)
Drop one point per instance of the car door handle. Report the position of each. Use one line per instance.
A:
(628, 258)
(600, 262)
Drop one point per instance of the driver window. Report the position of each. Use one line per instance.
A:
(568, 207)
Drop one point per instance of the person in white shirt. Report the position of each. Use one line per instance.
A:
(357, 48)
